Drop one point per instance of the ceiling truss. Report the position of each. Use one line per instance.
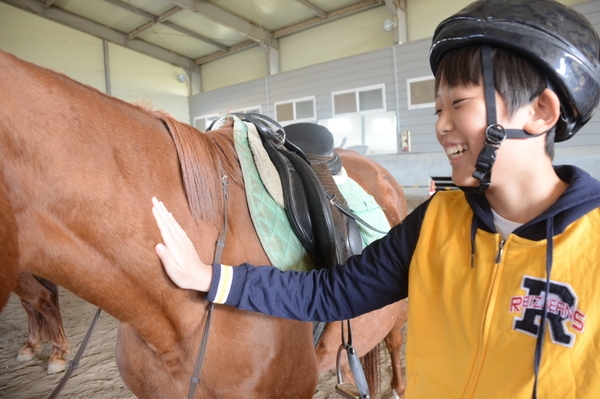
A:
(255, 34)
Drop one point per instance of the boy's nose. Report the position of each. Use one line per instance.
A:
(443, 125)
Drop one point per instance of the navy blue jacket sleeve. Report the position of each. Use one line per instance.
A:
(369, 281)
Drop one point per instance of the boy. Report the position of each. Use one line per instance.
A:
(481, 264)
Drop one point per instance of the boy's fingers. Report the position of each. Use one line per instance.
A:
(167, 218)
(166, 258)
(166, 223)
(163, 226)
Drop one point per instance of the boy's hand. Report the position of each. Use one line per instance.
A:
(178, 254)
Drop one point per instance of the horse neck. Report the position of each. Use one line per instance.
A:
(80, 169)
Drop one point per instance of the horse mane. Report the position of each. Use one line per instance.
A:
(204, 158)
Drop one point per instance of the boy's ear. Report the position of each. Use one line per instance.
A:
(545, 113)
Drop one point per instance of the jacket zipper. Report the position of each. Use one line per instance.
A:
(499, 253)
(472, 384)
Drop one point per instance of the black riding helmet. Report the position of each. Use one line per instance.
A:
(556, 38)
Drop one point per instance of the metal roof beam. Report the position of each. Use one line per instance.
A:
(309, 23)
(153, 21)
(331, 16)
(178, 28)
(319, 11)
(232, 21)
(92, 28)
(196, 35)
(219, 54)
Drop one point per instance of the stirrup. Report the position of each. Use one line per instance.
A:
(345, 389)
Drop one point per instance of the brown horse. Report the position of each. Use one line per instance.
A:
(78, 170)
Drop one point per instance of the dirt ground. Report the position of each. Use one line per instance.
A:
(97, 376)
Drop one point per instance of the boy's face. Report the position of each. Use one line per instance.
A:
(460, 129)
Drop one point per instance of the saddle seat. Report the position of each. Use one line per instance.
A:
(315, 140)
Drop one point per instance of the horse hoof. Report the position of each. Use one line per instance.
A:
(24, 357)
(56, 366)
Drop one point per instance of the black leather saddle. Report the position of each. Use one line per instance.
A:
(320, 227)
(305, 161)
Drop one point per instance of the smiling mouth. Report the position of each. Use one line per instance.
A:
(456, 151)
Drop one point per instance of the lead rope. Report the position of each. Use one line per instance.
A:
(74, 364)
(195, 380)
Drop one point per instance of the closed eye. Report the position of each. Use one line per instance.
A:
(460, 100)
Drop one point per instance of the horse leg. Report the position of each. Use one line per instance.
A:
(39, 298)
(394, 341)
(34, 336)
(8, 246)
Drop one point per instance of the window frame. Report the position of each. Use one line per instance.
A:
(213, 116)
(293, 102)
(357, 92)
(410, 105)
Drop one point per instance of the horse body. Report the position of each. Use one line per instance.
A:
(78, 170)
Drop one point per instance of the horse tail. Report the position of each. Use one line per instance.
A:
(371, 366)
(39, 317)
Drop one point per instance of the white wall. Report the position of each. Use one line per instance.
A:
(134, 76)
(424, 15)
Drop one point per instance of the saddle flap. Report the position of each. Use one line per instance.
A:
(320, 212)
(306, 205)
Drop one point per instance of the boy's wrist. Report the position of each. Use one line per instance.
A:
(202, 280)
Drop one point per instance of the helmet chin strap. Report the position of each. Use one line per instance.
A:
(495, 134)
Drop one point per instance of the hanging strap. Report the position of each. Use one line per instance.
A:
(539, 342)
(195, 379)
(495, 134)
(350, 213)
(74, 364)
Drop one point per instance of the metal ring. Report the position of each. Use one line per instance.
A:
(495, 133)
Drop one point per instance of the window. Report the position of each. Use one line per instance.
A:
(421, 92)
(371, 98)
(298, 110)
(374, 131)
(203, 122)
(248, 110)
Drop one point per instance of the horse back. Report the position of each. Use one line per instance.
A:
(378, 182)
